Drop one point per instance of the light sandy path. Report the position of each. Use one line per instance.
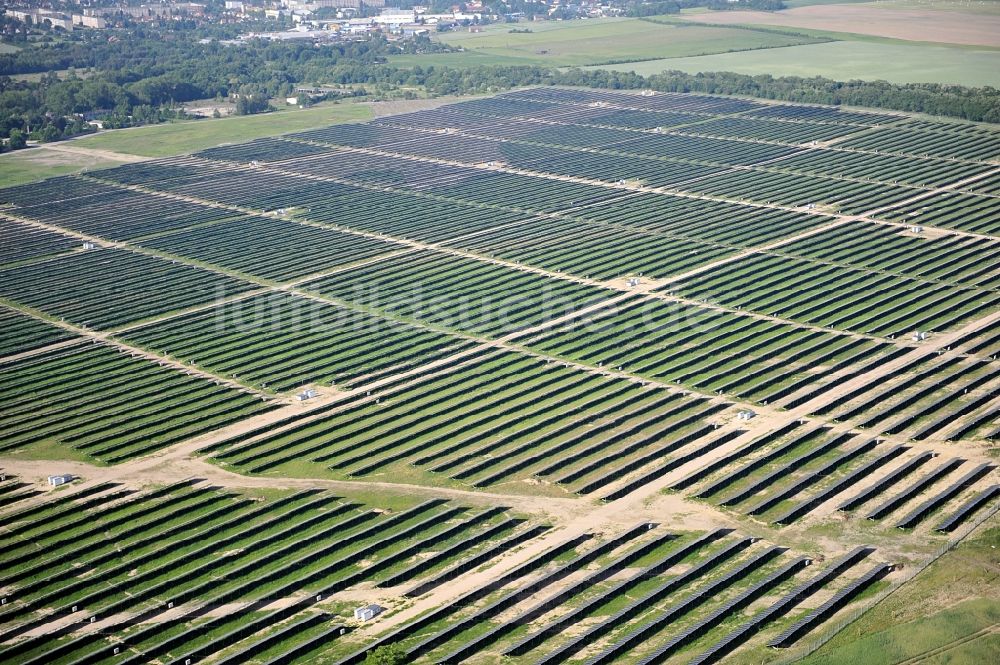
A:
(93, 152)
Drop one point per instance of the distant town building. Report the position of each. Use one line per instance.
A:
(40, 16)
(89, 21)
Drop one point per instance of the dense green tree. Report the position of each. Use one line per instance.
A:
(16, 140)
(252, 101)
(388, 654)
(49, 133)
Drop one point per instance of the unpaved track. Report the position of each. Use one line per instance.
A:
(180, 464)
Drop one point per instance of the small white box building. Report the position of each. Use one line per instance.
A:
(306, 394)
(55, 481)
(745, 414)
(89, 245)
(368, 612)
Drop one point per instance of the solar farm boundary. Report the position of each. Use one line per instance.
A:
(908, 575)
(875, 372)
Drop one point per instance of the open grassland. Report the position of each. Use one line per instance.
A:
(188, 136)
(24, 166)
(576, 43)
(99, 151)
(948, 613)
(61, 73)
(808, 3)
(844, 61)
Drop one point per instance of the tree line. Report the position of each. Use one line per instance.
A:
(140, 78)
(143, 78)
(976, 104)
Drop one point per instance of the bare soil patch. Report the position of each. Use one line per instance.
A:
(400, 106)
(909, 24)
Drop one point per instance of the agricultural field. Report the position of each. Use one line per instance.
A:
(912, 23)
(555, 376)
(913, 41)
(845, 60)
(576, 43)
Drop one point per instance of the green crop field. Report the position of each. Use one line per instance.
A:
(577, 43)
(555, 376)
(668, 43)
(843, 61)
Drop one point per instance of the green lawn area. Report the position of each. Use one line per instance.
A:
(8, 48)
(170, 139)
(595, 41)
(846, 60)
(49, 450)
(959, 626)
(192, 135)
(948, 608)
(23, 166)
